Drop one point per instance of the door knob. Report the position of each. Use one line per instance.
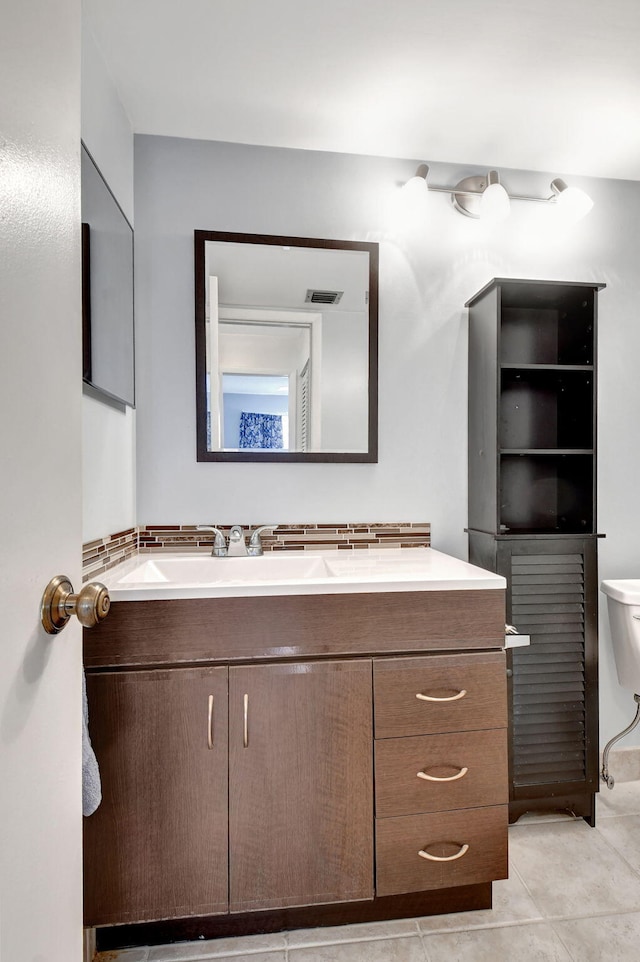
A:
(59, 602)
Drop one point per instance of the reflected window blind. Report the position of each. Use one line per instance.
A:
(303, 409)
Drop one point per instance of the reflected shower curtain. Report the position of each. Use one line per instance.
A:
(260, 430)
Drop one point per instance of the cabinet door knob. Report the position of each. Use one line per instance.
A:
(444, 858)
(59, 602)
(443, 778)
(456, 697)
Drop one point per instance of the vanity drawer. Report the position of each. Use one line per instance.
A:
(439, 693)
(400, 869)
(470, 768)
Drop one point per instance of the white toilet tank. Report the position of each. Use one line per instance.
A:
(623, 601)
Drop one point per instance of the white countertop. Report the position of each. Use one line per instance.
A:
(166, 576)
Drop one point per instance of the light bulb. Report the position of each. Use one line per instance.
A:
(494, 203)
(572, 202)
(416, 186)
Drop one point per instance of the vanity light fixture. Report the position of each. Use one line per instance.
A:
(483, 196)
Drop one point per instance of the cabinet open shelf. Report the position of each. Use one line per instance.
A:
(546, 409)
(546, 492)
(546, 323)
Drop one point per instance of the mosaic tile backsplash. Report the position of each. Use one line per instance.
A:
(100, 555)
(105, 553)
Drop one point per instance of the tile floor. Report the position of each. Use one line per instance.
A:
(573, 896)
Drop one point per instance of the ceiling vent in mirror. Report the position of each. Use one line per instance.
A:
(323, 297)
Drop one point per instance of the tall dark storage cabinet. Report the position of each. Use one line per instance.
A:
(532, 519)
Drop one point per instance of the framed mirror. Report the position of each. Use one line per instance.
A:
(286, 348)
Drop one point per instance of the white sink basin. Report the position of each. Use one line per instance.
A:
(170, 576)
(205, 570)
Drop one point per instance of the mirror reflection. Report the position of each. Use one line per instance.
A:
(286, 348)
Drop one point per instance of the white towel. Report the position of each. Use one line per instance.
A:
(91, 786)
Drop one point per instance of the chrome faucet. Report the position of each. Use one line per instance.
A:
(255, 544)
(219, 549)
(237, 546)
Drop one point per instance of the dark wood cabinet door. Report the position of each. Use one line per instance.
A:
(157, 845)
(301, 792)
(553, 592)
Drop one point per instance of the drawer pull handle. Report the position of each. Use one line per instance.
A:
(459, 695)
(443, 778)
(446, 858)
(210, 724)
(245, 723)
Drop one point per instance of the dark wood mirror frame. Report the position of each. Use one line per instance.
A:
(204, 454)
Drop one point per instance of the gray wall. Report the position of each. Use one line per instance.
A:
(431, 262)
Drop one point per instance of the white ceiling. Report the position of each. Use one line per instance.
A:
(535, 84)
(266, 275)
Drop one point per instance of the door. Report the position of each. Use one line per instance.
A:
(40, 483)
(300, 784)
(157, 845)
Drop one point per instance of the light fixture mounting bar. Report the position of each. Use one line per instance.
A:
(479, 193)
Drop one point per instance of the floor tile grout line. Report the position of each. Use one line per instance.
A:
(554, 928)
(363, 938)
(546, 923)
(508, 924)
(513, 867)
(611, 913)
(425, 950)
(620, 854)
(517, 923)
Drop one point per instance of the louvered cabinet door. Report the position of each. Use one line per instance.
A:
(552, 597)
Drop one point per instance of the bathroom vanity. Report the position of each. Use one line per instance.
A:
(280, 750)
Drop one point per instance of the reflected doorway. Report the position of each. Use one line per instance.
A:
(256, 412)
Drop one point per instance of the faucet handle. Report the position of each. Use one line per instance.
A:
(219, 544)
(255, 544)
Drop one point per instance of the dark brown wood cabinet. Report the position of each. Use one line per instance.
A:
(301, 798)
(272, 777)
(441, 767)
(532, 518)
(239, 796)
(157, 845)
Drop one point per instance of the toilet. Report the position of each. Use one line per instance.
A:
(623, 600)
